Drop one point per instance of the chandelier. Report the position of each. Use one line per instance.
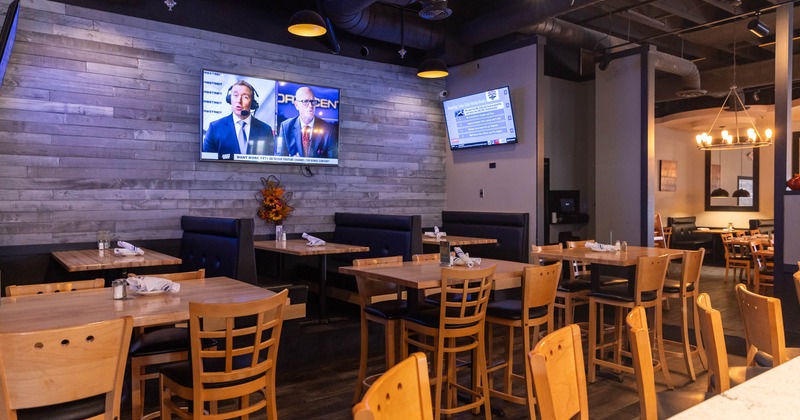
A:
(744, 134)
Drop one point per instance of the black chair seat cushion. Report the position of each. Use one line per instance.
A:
(181, 372)
(673, 402)
(429, 317)
(81, 409)
(389, 309)
(604, 280)
(765, 360)
(674, 286)
(164, 340)
(574, 285)
(620, 293)
(512, 309)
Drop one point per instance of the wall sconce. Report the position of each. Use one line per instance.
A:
(432, 68)
(307, 23)
(757, 27)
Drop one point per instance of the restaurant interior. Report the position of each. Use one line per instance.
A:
(598, 121)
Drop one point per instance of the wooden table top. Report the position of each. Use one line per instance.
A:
(719, 231)
(617, 258)
(458, 240)
(428, 274)
(94, 259)
(300, 247)
(57, 310)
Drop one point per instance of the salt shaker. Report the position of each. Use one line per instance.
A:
(119, 286)
(444, 254)
(623, 246)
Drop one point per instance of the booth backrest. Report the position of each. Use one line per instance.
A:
(223, 246)
(682, 227)
(385, 235)
(510, 230)
(763, 225)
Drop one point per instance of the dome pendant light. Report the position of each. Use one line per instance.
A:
(307, 23)
(432, 68)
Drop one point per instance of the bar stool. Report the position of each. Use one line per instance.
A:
(456, 326)
(533, 310)
(570, 293)
(650, 275)
(686, 289)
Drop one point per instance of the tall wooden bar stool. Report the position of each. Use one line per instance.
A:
(763, 328)
(385, 312)
(737, 256)
(763, 268)
(650, 275)
(532, 311)
(556, 369)
(456, 326)
(571, 291)
(686, 290)
(721, 377)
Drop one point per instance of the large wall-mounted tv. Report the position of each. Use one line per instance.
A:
(481, 119)
(284, 122)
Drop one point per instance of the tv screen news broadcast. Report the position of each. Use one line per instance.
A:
(258, 120)
(482, 119)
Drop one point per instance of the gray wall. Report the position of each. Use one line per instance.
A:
(100, 129)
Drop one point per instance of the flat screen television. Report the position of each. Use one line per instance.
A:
(481, 119)
(275, 113)
(7, 35)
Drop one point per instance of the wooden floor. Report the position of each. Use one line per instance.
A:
(318, 364)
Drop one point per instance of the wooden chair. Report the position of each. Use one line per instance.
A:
(659, 237)
(763, 267)
(763, 328)
(570, 293)
(403, 392)
(67, 286)
(650, 275)
(558, 375)
(156, 347)
(456, 326)
(242, 364)
(74, 372)
(653, 405)
(796, 277)
(721, 377)
(530, 313)
(386, 313)
(686, 290)
(667, 234)
(581, 270)
(737, 256)
(425, 257)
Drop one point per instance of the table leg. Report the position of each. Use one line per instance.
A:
(323, 295)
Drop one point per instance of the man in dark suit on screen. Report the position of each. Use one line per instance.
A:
(305, 135)
(240, 132)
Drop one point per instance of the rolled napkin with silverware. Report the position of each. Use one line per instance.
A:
(150, 284)
(312, 240)
(463, 258)
(127, 249)
(596, 246)
(436, 233)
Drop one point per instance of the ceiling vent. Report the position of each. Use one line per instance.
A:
(435, 10)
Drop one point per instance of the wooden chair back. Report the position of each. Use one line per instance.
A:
(539, 289)
(558, 374)
(183, 275)
(659, 238)
(753, 232)
(690, 270)
(763, 325)
(465, 296)
(244, 360)
(650, 275)
(760, 262)
(67, 286)
(579, 268)
(536, 249)
(48, 367)
(369, 289)
(642, 362)
(403, 392)
(667, 234)
(425, 257)
(797, 283)
(714, 344)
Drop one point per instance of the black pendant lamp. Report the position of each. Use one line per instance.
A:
(307, 23)
(432, 68)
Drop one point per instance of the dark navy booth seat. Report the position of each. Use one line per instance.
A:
(510, 230)
(385, 235)
(686, 236)
(765, 226)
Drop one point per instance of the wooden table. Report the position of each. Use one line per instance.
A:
(428, 274)
(617, 258)
(457, 240)
(718, 256)
(770, 395)
(57, 310)
(95, 259)
(300, 247)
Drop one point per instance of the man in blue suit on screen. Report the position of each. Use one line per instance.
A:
(305, 135)
(240, 132)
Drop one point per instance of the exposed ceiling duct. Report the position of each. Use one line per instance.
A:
(435, 10)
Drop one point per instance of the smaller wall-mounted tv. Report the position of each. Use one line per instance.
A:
(285, 122)
(481, 119)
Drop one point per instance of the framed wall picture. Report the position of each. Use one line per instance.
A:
(668, 181)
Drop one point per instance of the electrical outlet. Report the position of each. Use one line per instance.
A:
(481, 193)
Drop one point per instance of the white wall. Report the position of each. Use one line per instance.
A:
(512, 185)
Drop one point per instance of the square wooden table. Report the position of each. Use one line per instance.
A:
(457, 240)
(428, 274)
(95, 259)
(300, 247)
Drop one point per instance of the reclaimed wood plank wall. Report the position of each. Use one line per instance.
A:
(100, 129)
